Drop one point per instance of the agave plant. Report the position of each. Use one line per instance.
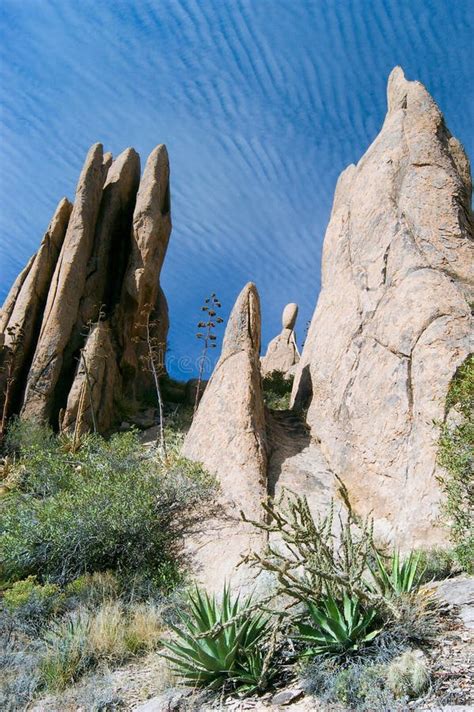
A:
(337, 627)
(252, 674)
(217, 642)
(398, 577)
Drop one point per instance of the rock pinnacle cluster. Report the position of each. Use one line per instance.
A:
(74, 322)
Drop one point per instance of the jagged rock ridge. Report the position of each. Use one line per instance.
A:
(89, 290)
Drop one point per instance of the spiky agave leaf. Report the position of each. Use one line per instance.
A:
(337, 627)
(215, 639)
(398, 577)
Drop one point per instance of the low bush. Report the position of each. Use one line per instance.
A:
(277, 390)
(456, 455)
(93, 589)
(437, 564)
(29, 599)
(356, 684)
(109, 506)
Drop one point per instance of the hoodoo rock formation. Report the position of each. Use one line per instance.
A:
(71, 322)
(228, 437)
(392, 325)
(228, 430)
(393, 319)
(282, 352)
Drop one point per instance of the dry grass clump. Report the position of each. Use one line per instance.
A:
(111, 634)
(144, 628)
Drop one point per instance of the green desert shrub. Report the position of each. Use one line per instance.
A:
(220, 643)
(31, 599)
(113, 507)
(93, 589)
(437, 564)
(456, 455)
(277, 390)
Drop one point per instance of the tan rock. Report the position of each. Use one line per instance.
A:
(9, 303)
(228, 437)
(60, 316)
(289, 316)
(141, 293)
(112, 237)
(282, 352)
(393, 321)
(91, 398)
(27, 311)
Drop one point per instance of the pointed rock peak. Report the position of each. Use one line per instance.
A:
(154, 185)
(411, 95)
(244, 326)
(397, 88)
(127, 161)
(64, 206)
(95, 150)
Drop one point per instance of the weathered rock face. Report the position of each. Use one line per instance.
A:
(28, 306)
(282, 353)
(100, 259)
(90, 404)
(228, 437)
(112, 237)
(393, 320)
(7, 308)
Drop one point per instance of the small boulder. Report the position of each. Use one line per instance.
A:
(282, 353)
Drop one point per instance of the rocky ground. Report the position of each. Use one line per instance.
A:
(147, 686)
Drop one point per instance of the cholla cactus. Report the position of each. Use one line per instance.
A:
(209, 338)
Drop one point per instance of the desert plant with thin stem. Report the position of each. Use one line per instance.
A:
(153, 360)
(207, 336)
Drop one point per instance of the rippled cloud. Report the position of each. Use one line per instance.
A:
(261, 103)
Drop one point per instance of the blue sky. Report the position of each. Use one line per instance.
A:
(262, 103)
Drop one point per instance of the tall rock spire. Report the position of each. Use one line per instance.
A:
(141, 296)
(66, 289)
(393, 321)
(228, 437)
